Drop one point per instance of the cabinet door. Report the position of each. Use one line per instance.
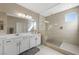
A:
(1, 47)
(32, 41)
(38, 40)
(24, 44)
(11, 47)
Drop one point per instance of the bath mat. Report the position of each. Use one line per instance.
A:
(31, 51)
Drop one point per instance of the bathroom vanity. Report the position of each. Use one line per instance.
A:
(14, 44)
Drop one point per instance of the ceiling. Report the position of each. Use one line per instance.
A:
(38, 7)
(46, 9)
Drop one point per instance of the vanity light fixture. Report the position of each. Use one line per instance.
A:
(21, 15)
(24, 16)
(46, 21)
(28, 17)
(55, 24)
(18, 14)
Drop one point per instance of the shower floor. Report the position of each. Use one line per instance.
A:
(70, 47)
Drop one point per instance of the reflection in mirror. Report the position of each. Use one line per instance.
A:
(1, 25)
(32, 26)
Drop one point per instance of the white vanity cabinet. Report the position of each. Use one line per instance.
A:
(35, 40)
(32, 41)
(24, 44)
(1, 47)
(11, 46)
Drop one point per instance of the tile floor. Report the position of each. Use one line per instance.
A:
(44, 50)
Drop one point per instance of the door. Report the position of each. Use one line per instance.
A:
(32, 41)
(24, 44)
(11, 47)
(1, 47)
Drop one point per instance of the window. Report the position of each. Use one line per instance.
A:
(71, 17)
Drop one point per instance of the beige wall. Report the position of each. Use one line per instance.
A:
(69, 33)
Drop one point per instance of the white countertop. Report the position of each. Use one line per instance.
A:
(8, 36)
